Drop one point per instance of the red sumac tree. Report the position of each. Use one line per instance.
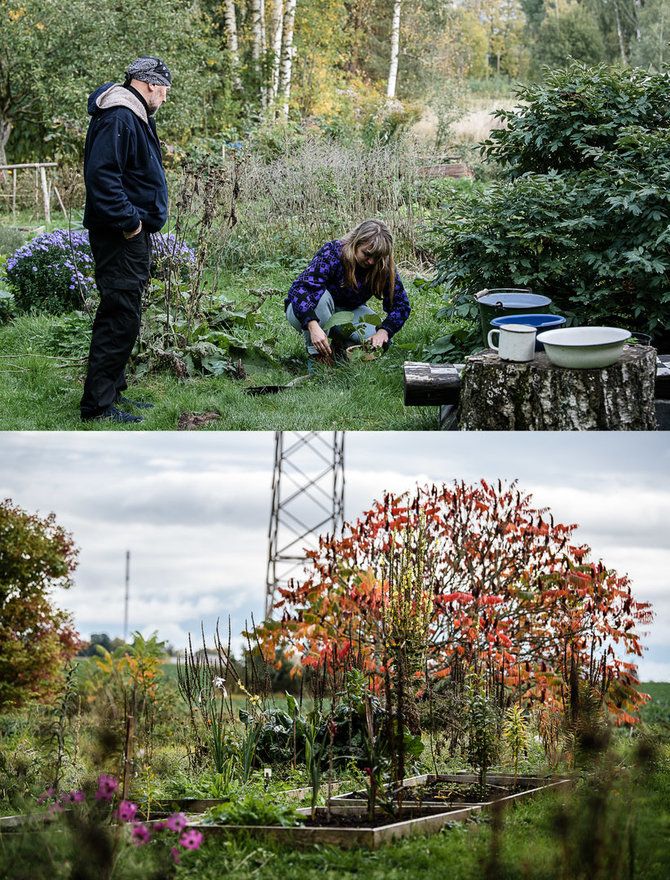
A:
(512, 593)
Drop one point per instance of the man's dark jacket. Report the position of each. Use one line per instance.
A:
(123, 168)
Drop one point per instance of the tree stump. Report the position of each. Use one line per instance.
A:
(499, 395)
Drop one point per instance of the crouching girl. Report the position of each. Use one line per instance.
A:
(342, 276)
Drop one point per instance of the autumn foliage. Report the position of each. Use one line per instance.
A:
(36, 638)
(512, 594)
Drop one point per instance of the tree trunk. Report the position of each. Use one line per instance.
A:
(287, 57)
(358, 30)
(257, 31)
(619, 30)
(276, 32)
(230, 22)
(5, 131)
(499, 395)
(395, 48)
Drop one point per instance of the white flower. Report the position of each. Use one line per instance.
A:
(220, 685)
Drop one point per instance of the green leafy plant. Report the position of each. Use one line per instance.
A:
(204, 684)
(252, 810)
(248, 743)
(70, 335)
(316, 755)
(6, 298)
(10, 240)
(482, 730)
(347, 326)
(515, 735)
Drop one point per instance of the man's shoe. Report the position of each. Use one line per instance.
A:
(112, 414)
(137, 403)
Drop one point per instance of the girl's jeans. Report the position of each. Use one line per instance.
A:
(324, 309)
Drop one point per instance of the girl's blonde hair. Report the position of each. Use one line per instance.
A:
(376, 237)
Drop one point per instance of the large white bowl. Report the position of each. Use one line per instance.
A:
(584, 347)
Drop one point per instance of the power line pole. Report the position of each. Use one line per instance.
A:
(125, 610)
(307, 500)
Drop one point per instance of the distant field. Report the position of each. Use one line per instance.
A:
(658, 710)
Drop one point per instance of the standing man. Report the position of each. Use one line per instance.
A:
(126, 199)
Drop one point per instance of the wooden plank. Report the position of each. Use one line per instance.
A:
(455, 169)
(662, 387)
(431, 384)
(29, 165)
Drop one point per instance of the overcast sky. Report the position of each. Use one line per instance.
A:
(194, 510)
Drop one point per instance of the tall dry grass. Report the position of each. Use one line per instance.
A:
(288, 206)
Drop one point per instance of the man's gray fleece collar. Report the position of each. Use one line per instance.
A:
(119, 96)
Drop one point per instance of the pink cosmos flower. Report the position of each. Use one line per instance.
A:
(176, 822)
(77, 797)
(126, 811)
(191, 839)
(141, 835)
(175, 855)
(107, 785)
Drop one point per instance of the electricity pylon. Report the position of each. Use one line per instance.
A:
(307, 501)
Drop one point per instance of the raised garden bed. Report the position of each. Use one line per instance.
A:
(347, 823)
(462, 789)
(201, 805)
(347, 828)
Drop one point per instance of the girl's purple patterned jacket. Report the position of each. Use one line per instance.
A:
(326, 272)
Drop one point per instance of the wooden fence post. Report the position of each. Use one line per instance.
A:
(45, 194)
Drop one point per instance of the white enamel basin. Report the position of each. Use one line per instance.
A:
(584, 347)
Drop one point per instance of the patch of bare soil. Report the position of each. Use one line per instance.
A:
(192, 421)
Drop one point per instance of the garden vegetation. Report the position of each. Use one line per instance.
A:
(451, 662)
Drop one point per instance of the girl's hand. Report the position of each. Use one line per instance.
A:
(319, 338)
(381, 337)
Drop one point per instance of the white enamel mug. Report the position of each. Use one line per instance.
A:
(516, 342)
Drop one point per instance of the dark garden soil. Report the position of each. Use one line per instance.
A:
(356, 819)
(456, 792)
(463, 793)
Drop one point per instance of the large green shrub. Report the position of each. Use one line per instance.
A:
(584, 213)
(576, 115)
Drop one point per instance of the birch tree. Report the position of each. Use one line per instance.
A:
(257, 31)
(276, 33)
(230, 24)
(395, 48)
(286, 57)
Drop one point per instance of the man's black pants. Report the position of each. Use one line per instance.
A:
(121, 273)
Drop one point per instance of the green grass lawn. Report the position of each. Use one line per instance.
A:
(41, 393)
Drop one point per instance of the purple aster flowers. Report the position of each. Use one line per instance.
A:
(52, 273)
